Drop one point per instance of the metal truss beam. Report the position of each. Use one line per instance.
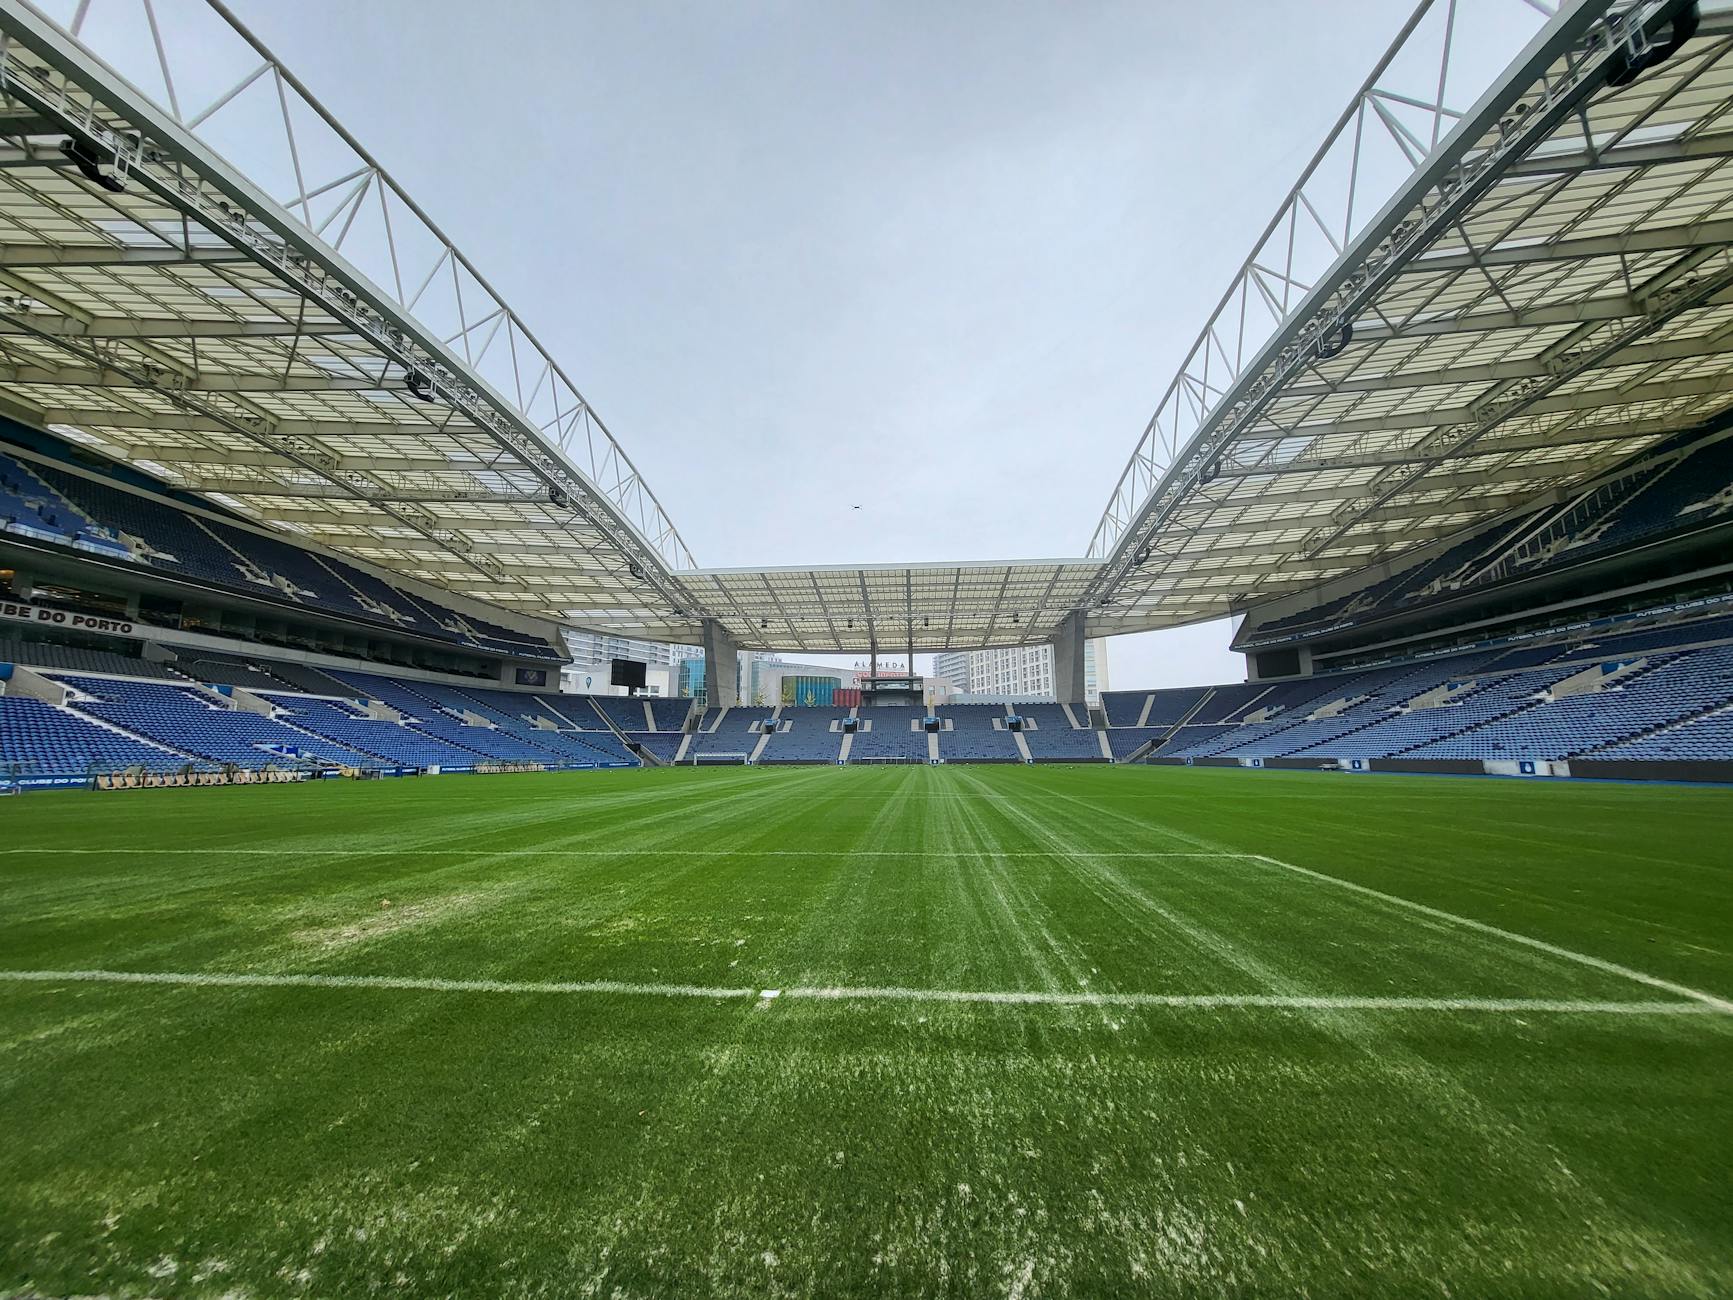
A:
(41, 323)
(1613, 307)
(211, 382)
(1469, 480)
(242, 458)
(193, 422)
(1560, 439)
(1226, 565)
(549, 527)
(1687, 348)
(1671, 239)
(36, 256)
(325, 492)
(429, 550)
(1586, 399)
(1699, 148)
(1242, 537)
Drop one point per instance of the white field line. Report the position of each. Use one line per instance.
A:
(414, 983)
(256, 851)
(1720, 1004)
(1271, 1001)
(1009, 997)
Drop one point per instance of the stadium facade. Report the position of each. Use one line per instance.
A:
(286, 486)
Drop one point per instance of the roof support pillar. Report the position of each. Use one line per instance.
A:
(721, 666)
(1068, 648)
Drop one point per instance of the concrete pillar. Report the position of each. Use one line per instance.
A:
(721, 666)
(1068, 659)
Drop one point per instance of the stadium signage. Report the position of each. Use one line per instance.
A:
(20, 613)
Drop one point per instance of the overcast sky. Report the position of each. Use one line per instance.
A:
(939, 260)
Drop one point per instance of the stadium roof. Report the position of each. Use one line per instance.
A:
(300, 340)
(1547, 290)
(932, 606)
(1493, 279)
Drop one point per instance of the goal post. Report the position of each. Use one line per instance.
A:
(718, 760)
(885, 758)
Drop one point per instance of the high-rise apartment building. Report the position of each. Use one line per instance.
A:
(1018, 671)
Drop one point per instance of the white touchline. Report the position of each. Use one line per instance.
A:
(428, 984)
(1271, 1001)
(1720, 1004)
(1002, 997)
(255, 851)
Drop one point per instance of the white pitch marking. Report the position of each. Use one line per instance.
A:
(254, 851)
(1720, 1004)
(1270, 1001)
(202, 979)
(1012, 997)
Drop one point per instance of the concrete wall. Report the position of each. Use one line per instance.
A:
(721, 666)
(1068, 675)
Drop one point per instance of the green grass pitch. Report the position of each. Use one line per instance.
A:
(1035, 1032)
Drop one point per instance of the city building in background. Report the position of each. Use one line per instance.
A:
(689, 676)
(1015, 673)
(595, 651)
(766, 679)
(592, 659)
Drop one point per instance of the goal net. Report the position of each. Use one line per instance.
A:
(716, 760)
(886, 758)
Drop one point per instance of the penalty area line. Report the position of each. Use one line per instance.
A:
(1722, 1005)
(763, 996)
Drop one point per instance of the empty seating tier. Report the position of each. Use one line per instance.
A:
(806, 735)
(891, 734)
(96, 514)
(1051, 738)
(189, 720)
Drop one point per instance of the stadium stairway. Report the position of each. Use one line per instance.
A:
(806, 734)
(1051, 735)
(1703, 736)
(976, 733)
(39, 740)
(1640, 740)
(198, 722)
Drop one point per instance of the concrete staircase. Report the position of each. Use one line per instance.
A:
(71, 706)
